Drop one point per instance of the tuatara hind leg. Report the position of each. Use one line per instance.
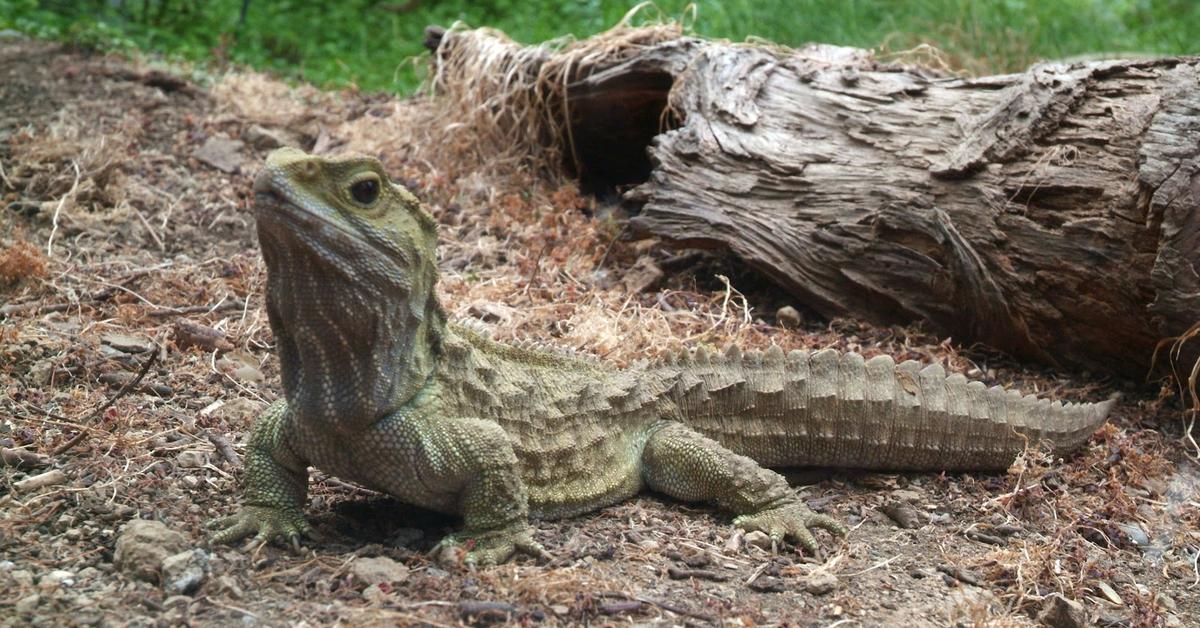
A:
(276, 486)
(687, 465)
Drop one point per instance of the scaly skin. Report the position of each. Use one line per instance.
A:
(381, 390)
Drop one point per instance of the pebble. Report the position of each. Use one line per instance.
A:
(1059, 612)
(247, 373)
(1135, 534)
(183, 573)
(378, 570)
(191, 459)
(28, 603)
(374, 594)
(759, 539)
(128, 344)
(55, 579)
(23, 577)
(143, 545)
(788, 317)
(820, 584)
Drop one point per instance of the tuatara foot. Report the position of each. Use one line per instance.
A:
(492, 547)
(790, 520)
(265, 522)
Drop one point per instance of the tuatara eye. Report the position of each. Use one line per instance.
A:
(365, 191)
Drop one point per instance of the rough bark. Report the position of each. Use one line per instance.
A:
(1050, 213)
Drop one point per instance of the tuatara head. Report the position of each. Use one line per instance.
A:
(351, 270)
(342, 204)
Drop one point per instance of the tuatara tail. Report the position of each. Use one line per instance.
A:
(828, 408)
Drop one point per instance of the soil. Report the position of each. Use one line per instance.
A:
(125, 235)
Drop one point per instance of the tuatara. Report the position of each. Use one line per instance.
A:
(381, 389)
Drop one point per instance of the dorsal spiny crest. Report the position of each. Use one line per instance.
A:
(774, 356)
(753, 359)
(733, 354)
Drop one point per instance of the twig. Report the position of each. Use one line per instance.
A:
(40, 308)
(58, 208)
(111, 400)
(22, 458)
(676, 573)
(146, 224)
(224, 448)
(663, 605)
(49, 478)
(197, 309)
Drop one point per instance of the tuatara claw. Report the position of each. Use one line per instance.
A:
(265, 523)
(790, 521)
(493, 547)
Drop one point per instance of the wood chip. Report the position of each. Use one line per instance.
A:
(1109, 593)
(49, 478)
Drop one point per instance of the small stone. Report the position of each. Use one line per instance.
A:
(240, 411)
(908, 495)
(191, 459)
(27, 604)
(247, 373)
(239, 367)
(128, 344)
(55, 579)
(374, 594)
(560, 609)
(903, 514)
(190, 481)
(820, 584)
(6, 565)
(644, 275)
(264, 138)
(23, 577)
(649, 545)
(758, 539)
(88, 573)
(1135, 534)
(143, 545)
(184, 572)
(788, 317)
(767, 584)
(1059, 612)
(378, 570)
(221, 153)
(229, 584)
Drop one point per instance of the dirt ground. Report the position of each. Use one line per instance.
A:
(125, 235)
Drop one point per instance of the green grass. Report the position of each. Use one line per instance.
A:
(367, 42)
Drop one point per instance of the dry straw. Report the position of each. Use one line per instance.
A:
(503, 104)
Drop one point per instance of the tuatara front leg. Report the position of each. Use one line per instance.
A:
(687, 465)
(276, 486)
(475, 458)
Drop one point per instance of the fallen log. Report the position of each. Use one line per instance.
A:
(1051, 213)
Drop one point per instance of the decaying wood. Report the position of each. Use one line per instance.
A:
(1050, 213)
